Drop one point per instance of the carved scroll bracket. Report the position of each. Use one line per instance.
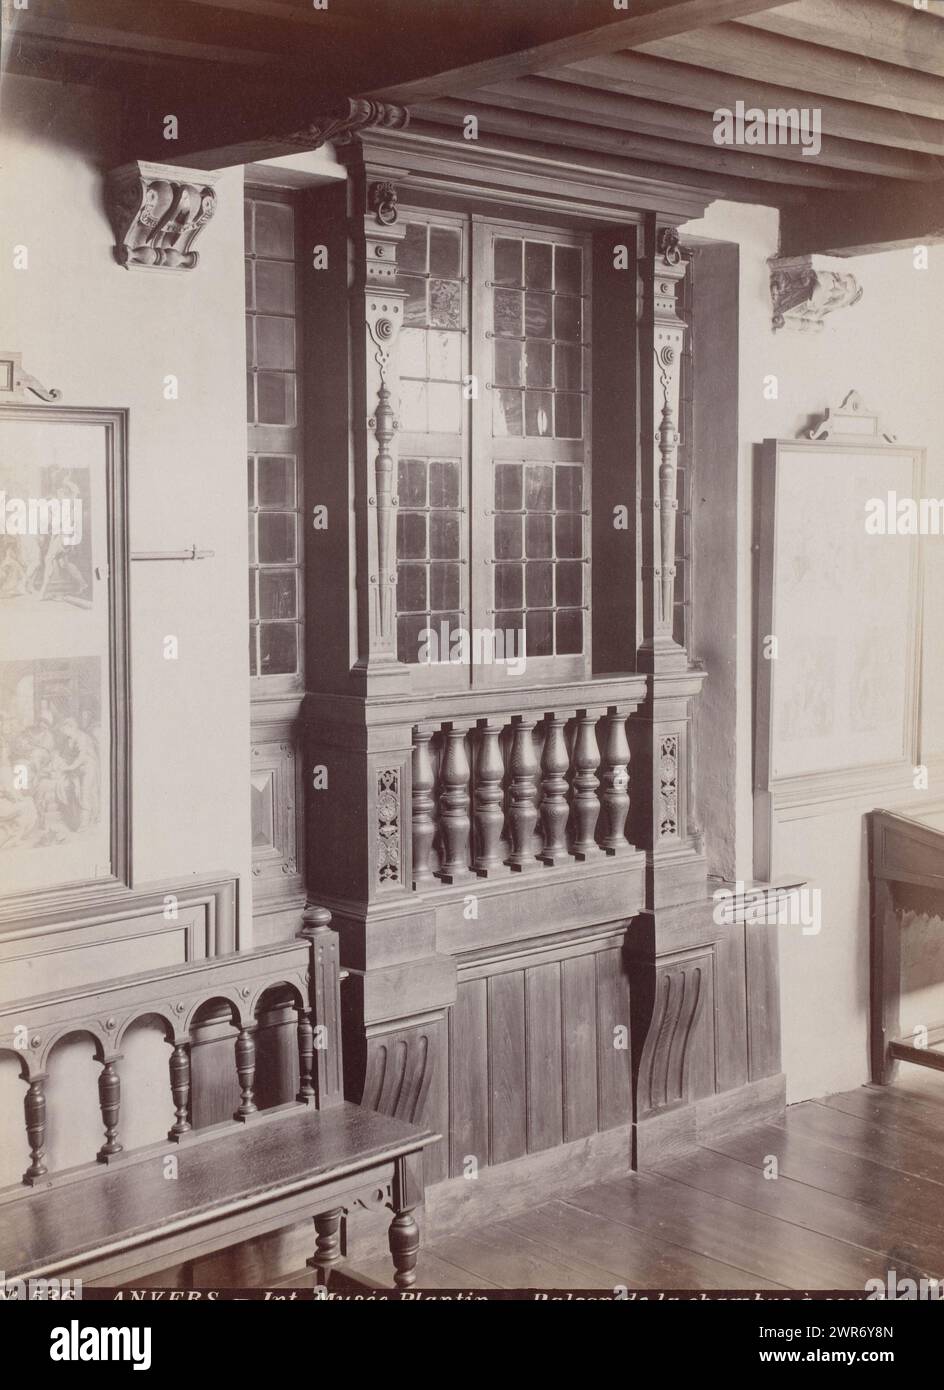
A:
(803, 292)
(17, 384)
(850, 420)
(157, 212)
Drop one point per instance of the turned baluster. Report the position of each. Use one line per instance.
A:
(34, 1103)
(586, 804)
(522, 795)
(614, 794)
(488, 815)
(454, 806)
(306, 1053)
(424, 807)
(246, 1071)
(555, 812)
(180, 1090)
(109, 1097)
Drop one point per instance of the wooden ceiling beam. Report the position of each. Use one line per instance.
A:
(541, 96)
(681, 84)
(857, 224)
(574, 135)
(872, 28)
(733, 49)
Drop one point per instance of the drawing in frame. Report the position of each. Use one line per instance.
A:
(64, 666)
(838, 640)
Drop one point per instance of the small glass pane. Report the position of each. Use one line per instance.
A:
(412, 632)
(507, 261)
(277, 597)
(249, 299)
(538, 536)
(278, 648)
(508, 586)
(444, 250)
(507, 363)
(539, 590)
(413, 415)
(567, 367)
(411, 536)
(414, 311)
(251, 397)
(444, 483)
(411, 589)
(411, 482)
(507, 487)
(250, 341)
(569, 632)
(275, 287)
(508, 313)
(538, 633)
(569, 483)
(445, 355)
(445, 407)
(412, 352)
(247, 224)
(444, 535)
(276, 538)
(251, 471)
(539, 365)
(537, 315)
(276, 481)
(252, 538)
(275, 230)
(506, 415)
(443, 587)
(539, 483)
(445, 304)
(567, 269)
(508, 538)
(569, 535)
(537, 265)
(253, 658)
(568, 416)
(411, 252)
(569, 583)
(567, 319)
(252, 593)
(276, 393)
(538, 406)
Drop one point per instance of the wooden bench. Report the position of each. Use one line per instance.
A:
(133, 1213)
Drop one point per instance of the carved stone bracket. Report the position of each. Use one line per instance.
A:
(16, 384)
(803, 293)
(157, 212)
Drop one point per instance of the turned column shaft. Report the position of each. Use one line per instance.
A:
(306, 1053)
(109, 1096)
(34, 1104)
(454, 819)
(615, 794)
(488, 815)
(180, 1090)
(555, 811)
(586, 803)
(246, 1071)
(522, 796)
(424, 808)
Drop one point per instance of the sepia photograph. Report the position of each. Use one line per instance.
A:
(471, 677)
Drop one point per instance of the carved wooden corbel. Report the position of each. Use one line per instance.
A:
(341, 121)
(803, 293)
(157, 212)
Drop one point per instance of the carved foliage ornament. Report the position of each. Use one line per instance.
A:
(668, 785)
(388, 825)
(342, 120)
(802, 293)
(157, 212)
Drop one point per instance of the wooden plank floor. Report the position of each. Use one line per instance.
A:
(842, 1190)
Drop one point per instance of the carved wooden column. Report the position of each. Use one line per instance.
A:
(180, 1090)
(555, 812)
(35, 1108)
(489, 816)
(615, 789)
(109, 1096)
(586, 760)
(522, 809)
(455, 825)
(424, 826)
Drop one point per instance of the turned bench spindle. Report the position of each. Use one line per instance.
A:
(522, 794)
(614, 794)
(180, 1090)
(109, 1096)
(555, 812)
(424, 807)
(34, 1104)
(488, 814)
(246, 1071)
(586, 804)
(306, 1053)
(454, 806)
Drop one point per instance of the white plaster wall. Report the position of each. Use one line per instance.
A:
(888, 348)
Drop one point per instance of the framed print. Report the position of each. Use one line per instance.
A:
(64, 758)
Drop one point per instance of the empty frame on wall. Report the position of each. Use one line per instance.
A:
(64, 699)
(838, 616)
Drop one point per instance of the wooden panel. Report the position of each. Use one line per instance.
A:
(468, 1076)
(545, 1072)
(614, 1089)
(578, 1013)
(763, 1000)
(506, 1062)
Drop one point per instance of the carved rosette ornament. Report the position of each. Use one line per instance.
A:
(157, 212)
(803, 292)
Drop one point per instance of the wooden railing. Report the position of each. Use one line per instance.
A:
(506, 792)
(305, 970)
